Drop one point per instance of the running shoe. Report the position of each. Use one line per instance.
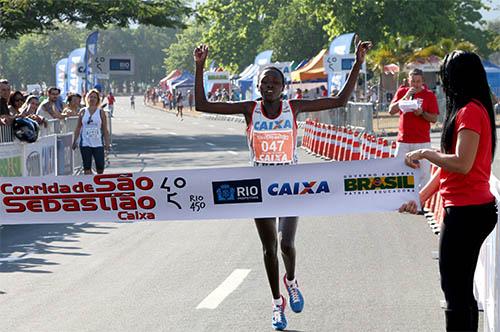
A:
(279, 319)
(296, 298)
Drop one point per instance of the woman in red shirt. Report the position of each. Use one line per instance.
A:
(467, 149)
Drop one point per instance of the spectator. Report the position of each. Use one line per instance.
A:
(16, 100)
(298, 94)
(323, 92)
(51, 108)
(467, 151)
(74, 101)
(111, 102)
(414, 124)
(29, 108)
(5, 117)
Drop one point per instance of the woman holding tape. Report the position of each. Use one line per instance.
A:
(467, 149)
(283, 138)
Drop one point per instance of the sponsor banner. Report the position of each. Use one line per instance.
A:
(11, 160)
(40, 157)
(65, 154)
(243, 192)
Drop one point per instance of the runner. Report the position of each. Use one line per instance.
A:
(272, 140)
(89, 133)
(180, 106)
(132, 101)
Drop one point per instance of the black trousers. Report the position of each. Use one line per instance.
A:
(463, 232)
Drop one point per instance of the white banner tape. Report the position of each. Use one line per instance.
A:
(243, 192)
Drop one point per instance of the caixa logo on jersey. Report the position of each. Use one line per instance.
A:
(298, 188)
(239, 191)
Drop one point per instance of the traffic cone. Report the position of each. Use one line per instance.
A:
(394, 147)
(385, 149)
(373, 148)
(356, 146)
(348, 145)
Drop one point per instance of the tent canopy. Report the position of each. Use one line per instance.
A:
(188, 82)
(172, 74)
(493, 76)
(184, 76)
(313, 70)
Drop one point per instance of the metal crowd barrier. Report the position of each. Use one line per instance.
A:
(54, 127)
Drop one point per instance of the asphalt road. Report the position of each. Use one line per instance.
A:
(372, 272)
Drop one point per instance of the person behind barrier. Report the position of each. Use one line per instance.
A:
(415, 121)
(5, 117)
(73, 104)
(16, 100)
(468, 144)
(265, 118)
(28, 110)
(51, 108)
(90, 131)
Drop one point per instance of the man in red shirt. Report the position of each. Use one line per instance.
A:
(111, 102)
(418, 108)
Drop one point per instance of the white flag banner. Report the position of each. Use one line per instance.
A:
(215, 193)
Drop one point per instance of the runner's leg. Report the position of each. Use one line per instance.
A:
(266, 227)
(287, 229)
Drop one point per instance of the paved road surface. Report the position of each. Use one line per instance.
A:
(370, 272)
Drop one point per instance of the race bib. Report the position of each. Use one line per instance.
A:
(92, 132)
(273, 147)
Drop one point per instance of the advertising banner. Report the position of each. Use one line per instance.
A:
(75, 71)
(65, 154)
(228, 193)
(40, 157)
(11, 156)
(61, 76)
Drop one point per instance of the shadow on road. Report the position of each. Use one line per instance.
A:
(151, 143)
(19, 242)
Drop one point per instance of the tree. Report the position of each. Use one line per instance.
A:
(295, 26)
(179, 55)
(22, 17)
(428, 21)
(33, 57)
(237, 29)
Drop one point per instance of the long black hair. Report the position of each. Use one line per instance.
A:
(464, 79)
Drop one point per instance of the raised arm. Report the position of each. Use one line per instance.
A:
(320, 104)
(201, 103)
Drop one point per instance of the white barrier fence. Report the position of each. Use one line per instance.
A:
(51, 154)
(487, 277)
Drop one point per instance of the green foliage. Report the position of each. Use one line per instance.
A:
(180, 54)
(24, 16)
(32, 58)
(237, 29)
(295, 26)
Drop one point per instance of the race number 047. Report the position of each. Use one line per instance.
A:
(272, 146)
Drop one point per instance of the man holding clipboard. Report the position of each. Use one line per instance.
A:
(418, 108)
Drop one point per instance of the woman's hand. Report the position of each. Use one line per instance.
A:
(362, 47)
(412, 158)
(410, 207)
(200, 54)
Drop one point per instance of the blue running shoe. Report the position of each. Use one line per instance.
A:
(279, 319)
(296, 298)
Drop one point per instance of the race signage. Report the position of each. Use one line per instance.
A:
(228, 193)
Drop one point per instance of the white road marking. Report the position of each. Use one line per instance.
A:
(178, 149)
(232, 152)
(190, 138)
(227, 287)
(172, 133)
(210, 144)
(211, 126)
(231, 128)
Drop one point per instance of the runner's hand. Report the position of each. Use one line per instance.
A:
(410, 207)
(362, 47)
(74, 145)
(200, 54)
